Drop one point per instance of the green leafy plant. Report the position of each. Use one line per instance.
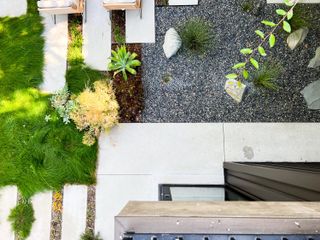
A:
(248, 5)
(22, 218)
(197, 36)
(118, 36)
(123, 61)
(89, 235)
(304, 18)
(242, 68)
(267, 75)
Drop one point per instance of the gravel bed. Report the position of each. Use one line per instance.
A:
(191, 88)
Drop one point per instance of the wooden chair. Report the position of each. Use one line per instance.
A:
(123, 5)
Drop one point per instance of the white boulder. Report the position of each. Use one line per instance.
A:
(172, 43)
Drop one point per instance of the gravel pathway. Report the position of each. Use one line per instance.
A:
(195, 91)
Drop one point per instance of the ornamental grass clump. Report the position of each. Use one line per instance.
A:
(197, 36)
(95, 110)
(267, 75)
(22, 218)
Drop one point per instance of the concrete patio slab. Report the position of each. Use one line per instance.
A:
(16, 8)
(112, 194)
(8, 200)
(183, 2)
(96, 35)
(55, 52)
(42, 210)
(74, 211)
(163, 149)
(141, 29)
(276, 142)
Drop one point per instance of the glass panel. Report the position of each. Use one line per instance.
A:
(197, 193)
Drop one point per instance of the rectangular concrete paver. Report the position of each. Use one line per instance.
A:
(55, 52)
(96, 35)
(74, 211)
(42, 203)
(276, 142)
(113, 192)
(163, 149)
(13, 8)
(183, 2)
(141, 29)
(8, 200)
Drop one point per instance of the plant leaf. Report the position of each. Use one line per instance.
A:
(290, 14)
(254, 63)
(262, 51)
(268, 23)
(245, 74)
(289, 3)
(246, 51)
(281, 12)
(272, 41)
(239, 65)
(286, 26)
(232, 76)
(260, 33)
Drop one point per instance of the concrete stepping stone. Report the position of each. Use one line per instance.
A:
(96, 35)
(74, 211)
(42, 203)
(140, 28)
(112, 194)
(183, 2)
(55, 52)
(13, 8)
(8, 200)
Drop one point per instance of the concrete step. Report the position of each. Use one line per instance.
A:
(42, 203)
(8, 200)
(74, 211)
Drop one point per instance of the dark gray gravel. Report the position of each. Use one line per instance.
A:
(195, 92)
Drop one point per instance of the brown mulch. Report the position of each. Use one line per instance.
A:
(118, 20)
(130, 93)
(56, 215)
(161, 2)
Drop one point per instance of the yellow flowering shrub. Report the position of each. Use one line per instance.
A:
(96, 110)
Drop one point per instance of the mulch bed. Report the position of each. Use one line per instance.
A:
(130, 93)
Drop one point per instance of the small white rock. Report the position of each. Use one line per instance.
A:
(235, 89)
(172, 43)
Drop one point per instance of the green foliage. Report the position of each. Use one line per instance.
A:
(89, 235)
(197, 36)
(123, 61)
(304, 17)
(38, 151)
(22, 218)
(248, 5)
(267, 75)
(265, 38)
(118, 36)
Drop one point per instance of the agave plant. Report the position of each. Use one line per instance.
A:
(123, 61)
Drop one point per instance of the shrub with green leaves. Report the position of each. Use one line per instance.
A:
(89, 235)
(22, 218)
(267, 75)
(123, 61)
(197, 36)
(241, 69)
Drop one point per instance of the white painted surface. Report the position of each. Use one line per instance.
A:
(13, 8)
(141, 30)
(8, 200)
(56, 47)
(96, 35)
(183, 2)
(163, 149)
(112, 194)
(278, 142)
(42, 208)
(74, 211)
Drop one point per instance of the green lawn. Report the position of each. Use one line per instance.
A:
(35, 155)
